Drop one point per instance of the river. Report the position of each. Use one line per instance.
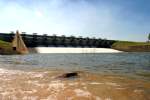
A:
(105, 76)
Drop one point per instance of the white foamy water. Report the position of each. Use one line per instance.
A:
(74, 50)
(83, 93)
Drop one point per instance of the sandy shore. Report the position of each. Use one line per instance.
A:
(72, 50)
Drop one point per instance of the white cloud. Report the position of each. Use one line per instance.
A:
(68, 17)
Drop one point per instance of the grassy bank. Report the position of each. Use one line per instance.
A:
(6, 48)
(132, 46)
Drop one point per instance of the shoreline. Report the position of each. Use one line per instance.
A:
(71, 50)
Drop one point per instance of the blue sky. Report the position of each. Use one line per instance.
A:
(111, 19)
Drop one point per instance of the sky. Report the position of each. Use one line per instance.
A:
(111, 19)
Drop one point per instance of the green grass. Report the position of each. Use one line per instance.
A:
(131, 43)
(143, 73)
(126, 46)
(6, 48)
(4, 44)
(127, 43)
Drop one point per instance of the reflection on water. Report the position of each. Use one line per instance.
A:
(122, 76)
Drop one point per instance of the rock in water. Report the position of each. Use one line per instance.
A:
(69, 75)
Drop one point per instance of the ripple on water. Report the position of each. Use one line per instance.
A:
(81, 93)
(40, 85)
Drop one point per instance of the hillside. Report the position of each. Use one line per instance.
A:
(132, 46)
(6, 48)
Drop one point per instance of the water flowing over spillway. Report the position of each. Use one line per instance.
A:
(72, 50)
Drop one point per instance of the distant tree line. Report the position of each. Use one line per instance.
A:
(35, 40)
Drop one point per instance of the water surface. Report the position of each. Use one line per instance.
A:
(119, 76)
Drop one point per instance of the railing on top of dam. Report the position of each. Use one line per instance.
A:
(35, 40)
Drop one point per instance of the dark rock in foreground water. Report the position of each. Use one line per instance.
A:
(69, 75)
